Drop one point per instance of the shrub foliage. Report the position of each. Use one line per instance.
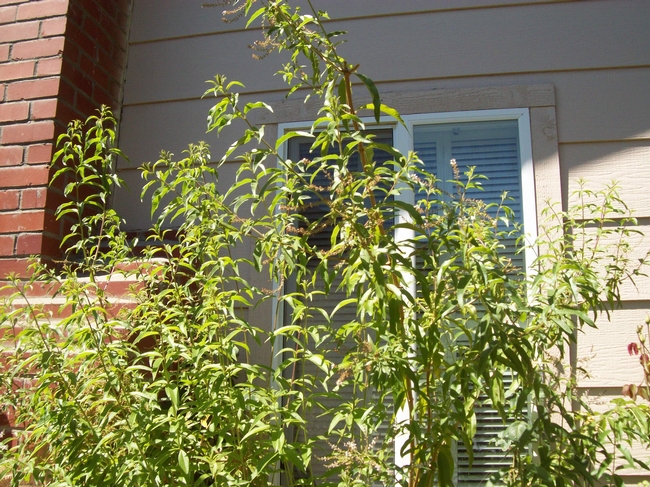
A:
(165, 387)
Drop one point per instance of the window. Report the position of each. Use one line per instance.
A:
(498, 144)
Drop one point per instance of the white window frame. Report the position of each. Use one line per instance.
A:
(403, 141)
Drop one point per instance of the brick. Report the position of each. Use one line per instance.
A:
(11, 156)
(71, 52)
(49, 66)
(102, 98)
(9, 416)
(110, 8)
(120, 288)
(67, 92)
(43, 109)
(52, 225)
(14, 112)
(95, 72)
(123, 22)
(19, 267)
(120, 40)
(29, 90)
(111, 28)
(124, 5)
(85, 105)
(29, 243)
(81, 39)
(119, 57)
(23, 221)
(39, 154)
(25, 382)
(51, 246)
(28, 132)
(42, 9)
(24, 176)
(99, 36)
(9, 199)
(35, 289)
(91, 7)
(6, 245)
(109, 65)
(76, 78)
(56, 311)
(51, 46)
(7, 2)
(33, 198)
(4, 52)
(19, 31)
(20, 70)
(66, 114)
(116, 89)
(75, 13)
(8, 14)
(53, 27)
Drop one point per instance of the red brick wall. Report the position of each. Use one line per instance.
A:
(59, 60)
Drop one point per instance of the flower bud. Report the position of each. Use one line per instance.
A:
(633, 349)
(630, 390)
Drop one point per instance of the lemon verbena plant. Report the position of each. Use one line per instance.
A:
(392, 345)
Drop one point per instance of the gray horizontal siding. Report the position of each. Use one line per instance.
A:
(165, 19)
(450, 44)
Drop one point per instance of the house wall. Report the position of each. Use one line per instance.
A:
(593, 56)
(60, 60)
(583, 69)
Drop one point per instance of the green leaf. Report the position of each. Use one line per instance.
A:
(515, 430)
(255, 14)
(391, 112)
(172, 394)
(445, 467)
(257, 429)
(184, 461)
(376, 101)
(290, 135)
(338, 417)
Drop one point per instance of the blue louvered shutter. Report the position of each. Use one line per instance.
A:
(493, 149)
(300, 148)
